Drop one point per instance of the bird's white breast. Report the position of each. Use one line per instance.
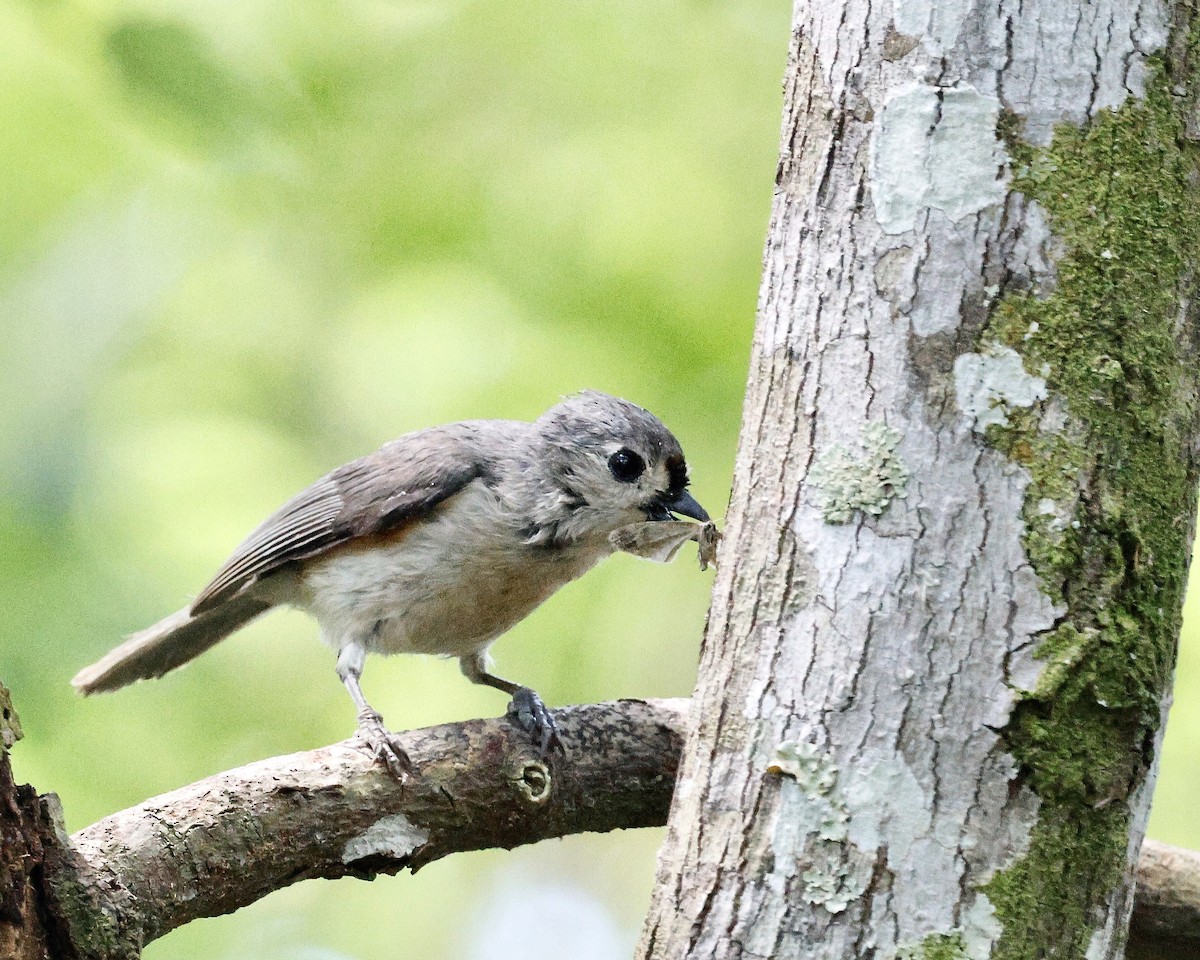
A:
(448, 584)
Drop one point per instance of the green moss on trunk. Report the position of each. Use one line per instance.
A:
(1110, 509)
(936, 946)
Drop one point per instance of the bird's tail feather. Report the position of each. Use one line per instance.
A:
(168, 644)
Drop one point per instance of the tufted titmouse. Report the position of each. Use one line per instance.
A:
(438, 543)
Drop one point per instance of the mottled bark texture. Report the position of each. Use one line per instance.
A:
(943, 631)
(46, 913)
(23, 936)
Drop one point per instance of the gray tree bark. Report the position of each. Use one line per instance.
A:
(25, 844)
(942, 637)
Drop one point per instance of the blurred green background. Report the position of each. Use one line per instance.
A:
(241, 243)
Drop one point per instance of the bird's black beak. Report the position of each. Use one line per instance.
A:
(686, 505)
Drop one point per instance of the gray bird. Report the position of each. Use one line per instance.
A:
(436, 543)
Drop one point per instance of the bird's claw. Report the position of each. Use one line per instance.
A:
(384, 745)
(529, 713)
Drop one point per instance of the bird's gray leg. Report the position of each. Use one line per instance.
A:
(384, 745)
(526, 708)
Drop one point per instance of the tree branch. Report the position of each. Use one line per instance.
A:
(1166, 910)
(224, 842)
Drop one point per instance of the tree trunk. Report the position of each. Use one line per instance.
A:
(943, 634)
(22, 933)
(45, 913)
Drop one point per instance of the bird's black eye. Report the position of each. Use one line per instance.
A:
(626, 465)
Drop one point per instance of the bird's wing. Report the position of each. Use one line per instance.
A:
(400, 482)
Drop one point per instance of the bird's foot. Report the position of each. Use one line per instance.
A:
(529, 713)
(384, 745)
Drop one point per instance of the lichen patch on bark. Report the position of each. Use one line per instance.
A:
(934, 149)
(937, 24)
(971, 940)
(988, 384)
(865, 478)
(816, 777)
(395, 837)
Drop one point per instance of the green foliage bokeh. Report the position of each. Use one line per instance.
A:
(241, 243)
